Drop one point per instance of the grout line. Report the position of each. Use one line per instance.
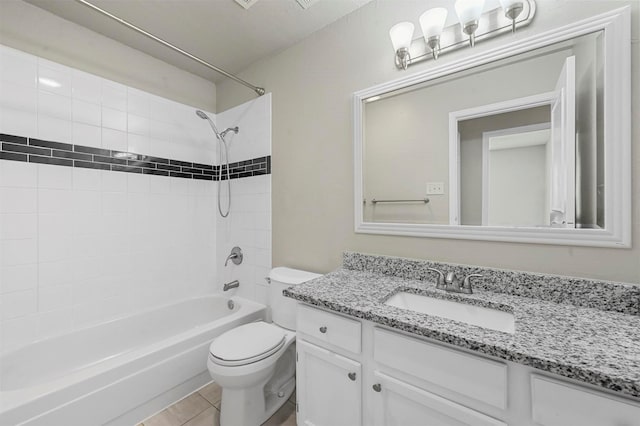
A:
(197, 414)
(38, 248)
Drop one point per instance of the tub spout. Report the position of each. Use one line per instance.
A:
(232, 284)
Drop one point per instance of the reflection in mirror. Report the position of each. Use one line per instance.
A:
(509, 186)
(513, 143)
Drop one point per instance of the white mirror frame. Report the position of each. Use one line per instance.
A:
(617, 134)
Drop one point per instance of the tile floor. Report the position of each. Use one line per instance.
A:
(202, 408)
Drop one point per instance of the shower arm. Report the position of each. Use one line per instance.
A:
(259, 90)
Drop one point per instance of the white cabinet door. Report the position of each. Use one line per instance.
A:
(397, 403)
(555, 403)
(329, 388)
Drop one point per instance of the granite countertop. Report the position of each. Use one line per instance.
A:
(600, 347)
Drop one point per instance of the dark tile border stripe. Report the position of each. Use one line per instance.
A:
(20, 148)
(12, 156)
(13, 139)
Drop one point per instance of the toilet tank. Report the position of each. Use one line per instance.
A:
(283, 309)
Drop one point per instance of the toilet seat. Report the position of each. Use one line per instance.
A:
(247, 344)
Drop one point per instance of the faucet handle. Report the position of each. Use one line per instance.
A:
(235, 256)
(440, 282)
(466, 284)
(450, 278)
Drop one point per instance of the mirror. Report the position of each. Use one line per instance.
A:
(517, 147)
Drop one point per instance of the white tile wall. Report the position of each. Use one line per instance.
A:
(80, 246)
(43, 99)
(77, 245)
(254, 121)
(249, 223)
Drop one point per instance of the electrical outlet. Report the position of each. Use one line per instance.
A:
(435, 188)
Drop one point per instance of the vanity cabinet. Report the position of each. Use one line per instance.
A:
(329, 383)
(354, 372)
(329, 387)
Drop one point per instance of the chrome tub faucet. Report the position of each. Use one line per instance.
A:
(236, 256)
(230, 285)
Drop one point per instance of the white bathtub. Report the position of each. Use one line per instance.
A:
(118, 372)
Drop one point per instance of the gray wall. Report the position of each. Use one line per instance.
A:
(30, 29)
(312, 84)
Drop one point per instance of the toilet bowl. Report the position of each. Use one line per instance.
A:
(254, 363)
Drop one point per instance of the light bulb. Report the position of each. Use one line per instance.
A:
(432, 23)
(469, 12)
(512, 9)
(401, 35)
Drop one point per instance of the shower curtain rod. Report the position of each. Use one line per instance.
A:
(258, 90)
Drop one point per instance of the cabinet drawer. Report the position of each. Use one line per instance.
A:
(555, 403)
(478, 378)
(334, 329)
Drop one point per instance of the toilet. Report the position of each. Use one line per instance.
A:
(255, 363)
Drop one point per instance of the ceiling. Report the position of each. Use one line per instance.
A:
(220, 32)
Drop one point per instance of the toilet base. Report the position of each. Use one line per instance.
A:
(274, 401)
(249, 407)
(246, 403)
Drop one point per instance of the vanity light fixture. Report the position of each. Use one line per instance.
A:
(475, 24)
(432, 23)
(469, 11)
(401, 35)
(512, 9)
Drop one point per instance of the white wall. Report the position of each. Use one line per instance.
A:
(312, 84)
(249, 222)
(517, 186)
(79, 246)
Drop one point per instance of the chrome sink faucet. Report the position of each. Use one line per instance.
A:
(451, 284)
(440, 282)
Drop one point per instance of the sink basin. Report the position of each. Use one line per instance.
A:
(475, 315)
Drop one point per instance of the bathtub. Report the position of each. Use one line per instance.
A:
(118, 372)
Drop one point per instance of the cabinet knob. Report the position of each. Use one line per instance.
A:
(377, 387)
(352, 376)
(323, 329)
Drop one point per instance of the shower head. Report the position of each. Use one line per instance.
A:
(219, 135)
(202, 115)
(230, 129)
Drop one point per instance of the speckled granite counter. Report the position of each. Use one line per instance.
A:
(596, 346)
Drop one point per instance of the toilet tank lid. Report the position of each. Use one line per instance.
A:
(291, 276)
